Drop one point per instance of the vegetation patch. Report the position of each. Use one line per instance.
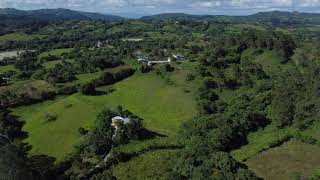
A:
(151, 165)
(16, 37)
(262, 140)
(293, 159)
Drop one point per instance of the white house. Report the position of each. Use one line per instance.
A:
(119, 119)
(178, 57)
(99, 44)
(142, 59)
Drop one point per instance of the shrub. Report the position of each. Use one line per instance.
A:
(49, 117)
(106, 79)
(306, 138)
(68, 90)
(88, 89)
(190, 77)
(144, 68)
(48, 95)
(83, 131)
(168, 68)
(67, 105)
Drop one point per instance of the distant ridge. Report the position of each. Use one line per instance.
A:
(273, 17)
(57, 15)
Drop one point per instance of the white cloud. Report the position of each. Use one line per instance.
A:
(310, 3)
(206, 4)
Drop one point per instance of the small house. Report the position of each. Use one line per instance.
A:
(178, 57)
(99, 44)
(119, 119)
(142, 59)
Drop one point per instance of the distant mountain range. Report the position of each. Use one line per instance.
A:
(275, 18)
(56, 15)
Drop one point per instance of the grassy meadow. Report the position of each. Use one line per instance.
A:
(288, 161)
(7, 68)
(147, 166)
(163, 107)
(55, 52)
(16, 37)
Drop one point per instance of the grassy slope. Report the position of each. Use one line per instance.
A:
(262, 140)
(51, 64)
(163, 107)
(151, 165)
(55, 52)
(7, 68)
(32, 87)
(292, 158)
(16, 37)
(142, 167)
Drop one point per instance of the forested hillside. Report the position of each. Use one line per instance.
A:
(274, 18)
(179, 98)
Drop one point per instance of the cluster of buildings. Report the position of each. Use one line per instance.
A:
(176, 57)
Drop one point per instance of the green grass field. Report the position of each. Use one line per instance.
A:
(31, 87)
(163, 108)
(16, 37)
(55, 52)
(287, 161)
(7, 68)
(51, 64)
(262, 140)
(150, 165)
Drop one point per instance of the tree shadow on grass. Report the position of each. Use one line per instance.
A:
(99, 92)
(148, 134)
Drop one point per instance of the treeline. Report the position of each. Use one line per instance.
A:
(107, 78)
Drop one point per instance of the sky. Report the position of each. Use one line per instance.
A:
(135, 8)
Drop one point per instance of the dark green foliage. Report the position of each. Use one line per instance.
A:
(10, 126)
(100, 140)
(108, 78)
(88, 88)
(61, 73)
(83, 131)
(144, 68)
(168, 68)
(13, 163)
(3, 80)
(190, 77)
(49, 117)
(91, 61)
(27, 61)
(49, 58)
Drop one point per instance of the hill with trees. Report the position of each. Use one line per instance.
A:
(275, 18)
(91, 99)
